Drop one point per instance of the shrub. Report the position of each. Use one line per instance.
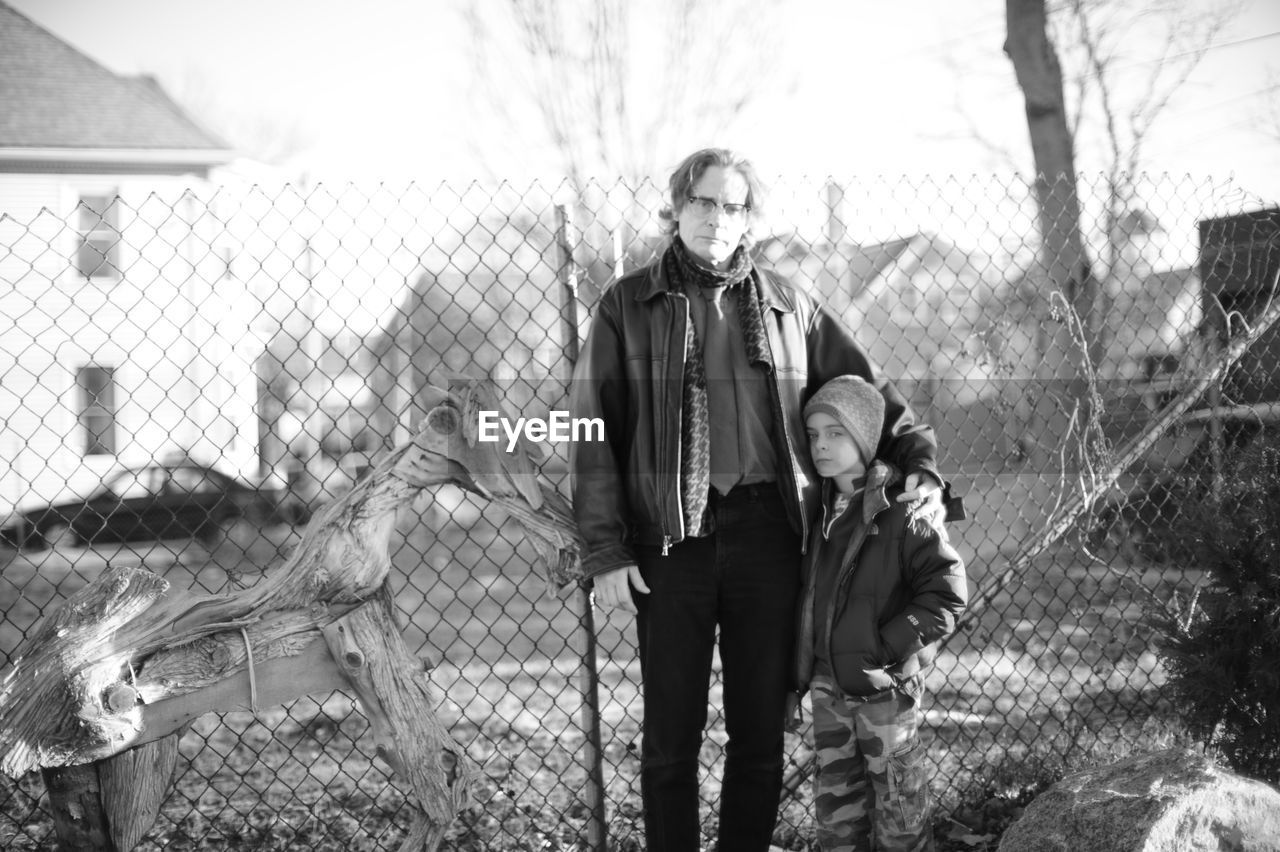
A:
(1221, 647)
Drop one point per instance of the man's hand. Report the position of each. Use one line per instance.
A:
(612, 589)
(794, 715)
(925, 495)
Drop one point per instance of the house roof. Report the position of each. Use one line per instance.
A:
(837, 272)
(55, 97)
(861, 262)
(867, 263)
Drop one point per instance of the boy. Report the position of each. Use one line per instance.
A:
(880, 588)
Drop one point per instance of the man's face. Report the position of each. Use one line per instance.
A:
(715, 235)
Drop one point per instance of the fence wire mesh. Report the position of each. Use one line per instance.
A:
(158, 351)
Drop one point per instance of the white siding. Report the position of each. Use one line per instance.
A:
(172, 325)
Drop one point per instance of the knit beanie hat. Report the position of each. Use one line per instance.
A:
(857, 406)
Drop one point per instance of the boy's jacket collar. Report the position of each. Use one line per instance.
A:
(875, 500)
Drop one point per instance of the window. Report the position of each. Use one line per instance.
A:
(98, 248)
(96, 391)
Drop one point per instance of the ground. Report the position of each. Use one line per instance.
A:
(1057, 672)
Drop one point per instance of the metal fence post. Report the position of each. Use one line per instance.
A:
(597, 832)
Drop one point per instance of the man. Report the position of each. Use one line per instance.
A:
(695, 507)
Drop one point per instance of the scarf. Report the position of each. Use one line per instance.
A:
(684, 272)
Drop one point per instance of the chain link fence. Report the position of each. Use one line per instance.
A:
(157, 351)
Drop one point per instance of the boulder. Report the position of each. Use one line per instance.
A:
(1167, 801)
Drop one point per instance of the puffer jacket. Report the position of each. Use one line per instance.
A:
(899, 588)
(626, 488)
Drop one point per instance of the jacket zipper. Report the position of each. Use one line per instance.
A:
(847, 562)
(666, 536)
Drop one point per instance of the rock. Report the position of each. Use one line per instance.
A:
(1166, 801)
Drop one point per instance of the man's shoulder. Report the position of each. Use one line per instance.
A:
(778, 279)
(626, 291)
(784, 288)
(633, 280)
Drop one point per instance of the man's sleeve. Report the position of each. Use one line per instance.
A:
(599, 498)
(833, 351)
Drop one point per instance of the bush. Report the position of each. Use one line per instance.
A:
(1221, 648)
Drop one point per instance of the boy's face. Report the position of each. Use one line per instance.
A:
(832, 448)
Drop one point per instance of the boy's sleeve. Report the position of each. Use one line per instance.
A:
(940, 590)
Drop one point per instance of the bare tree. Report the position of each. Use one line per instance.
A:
(1119, 98)
(1086, 89)
(1062, 254)
(1039, 72)
(1108, 99)
(1267, 119)
(605, 81)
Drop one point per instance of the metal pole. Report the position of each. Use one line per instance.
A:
(597, 828)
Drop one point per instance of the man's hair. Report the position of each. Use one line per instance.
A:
(691, 170)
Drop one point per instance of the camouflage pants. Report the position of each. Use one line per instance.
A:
(871, 791)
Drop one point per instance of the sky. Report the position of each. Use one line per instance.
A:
(382, 89)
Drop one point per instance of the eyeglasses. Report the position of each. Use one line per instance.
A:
(706, 206)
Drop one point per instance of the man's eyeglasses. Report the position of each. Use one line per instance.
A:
(706, 206)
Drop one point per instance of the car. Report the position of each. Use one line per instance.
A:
(147, 502)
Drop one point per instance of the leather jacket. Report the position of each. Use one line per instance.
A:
(626, 488)
(898, 589)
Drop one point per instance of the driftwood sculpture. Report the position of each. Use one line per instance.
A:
(99, 693)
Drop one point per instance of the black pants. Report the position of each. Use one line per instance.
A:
(744, 578)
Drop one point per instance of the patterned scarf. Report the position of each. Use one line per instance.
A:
(684, 272)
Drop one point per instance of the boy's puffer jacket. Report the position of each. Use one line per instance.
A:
(900, 588)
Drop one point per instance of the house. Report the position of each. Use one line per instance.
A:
(118, 338)
(914, 302)
(1152, 318)
(1240, 265)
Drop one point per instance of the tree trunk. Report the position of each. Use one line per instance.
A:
(79, 818)
(1064, 266)
(1035, 63)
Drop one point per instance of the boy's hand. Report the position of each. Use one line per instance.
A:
(794, 714)
(925, 494)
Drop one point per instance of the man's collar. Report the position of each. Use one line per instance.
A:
(772, 294)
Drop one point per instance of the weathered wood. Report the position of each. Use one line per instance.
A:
(62, 670)
(128, 661)
(278, 680)
(134, 785)
(79, 819)
(90, 716)
(395, 695)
